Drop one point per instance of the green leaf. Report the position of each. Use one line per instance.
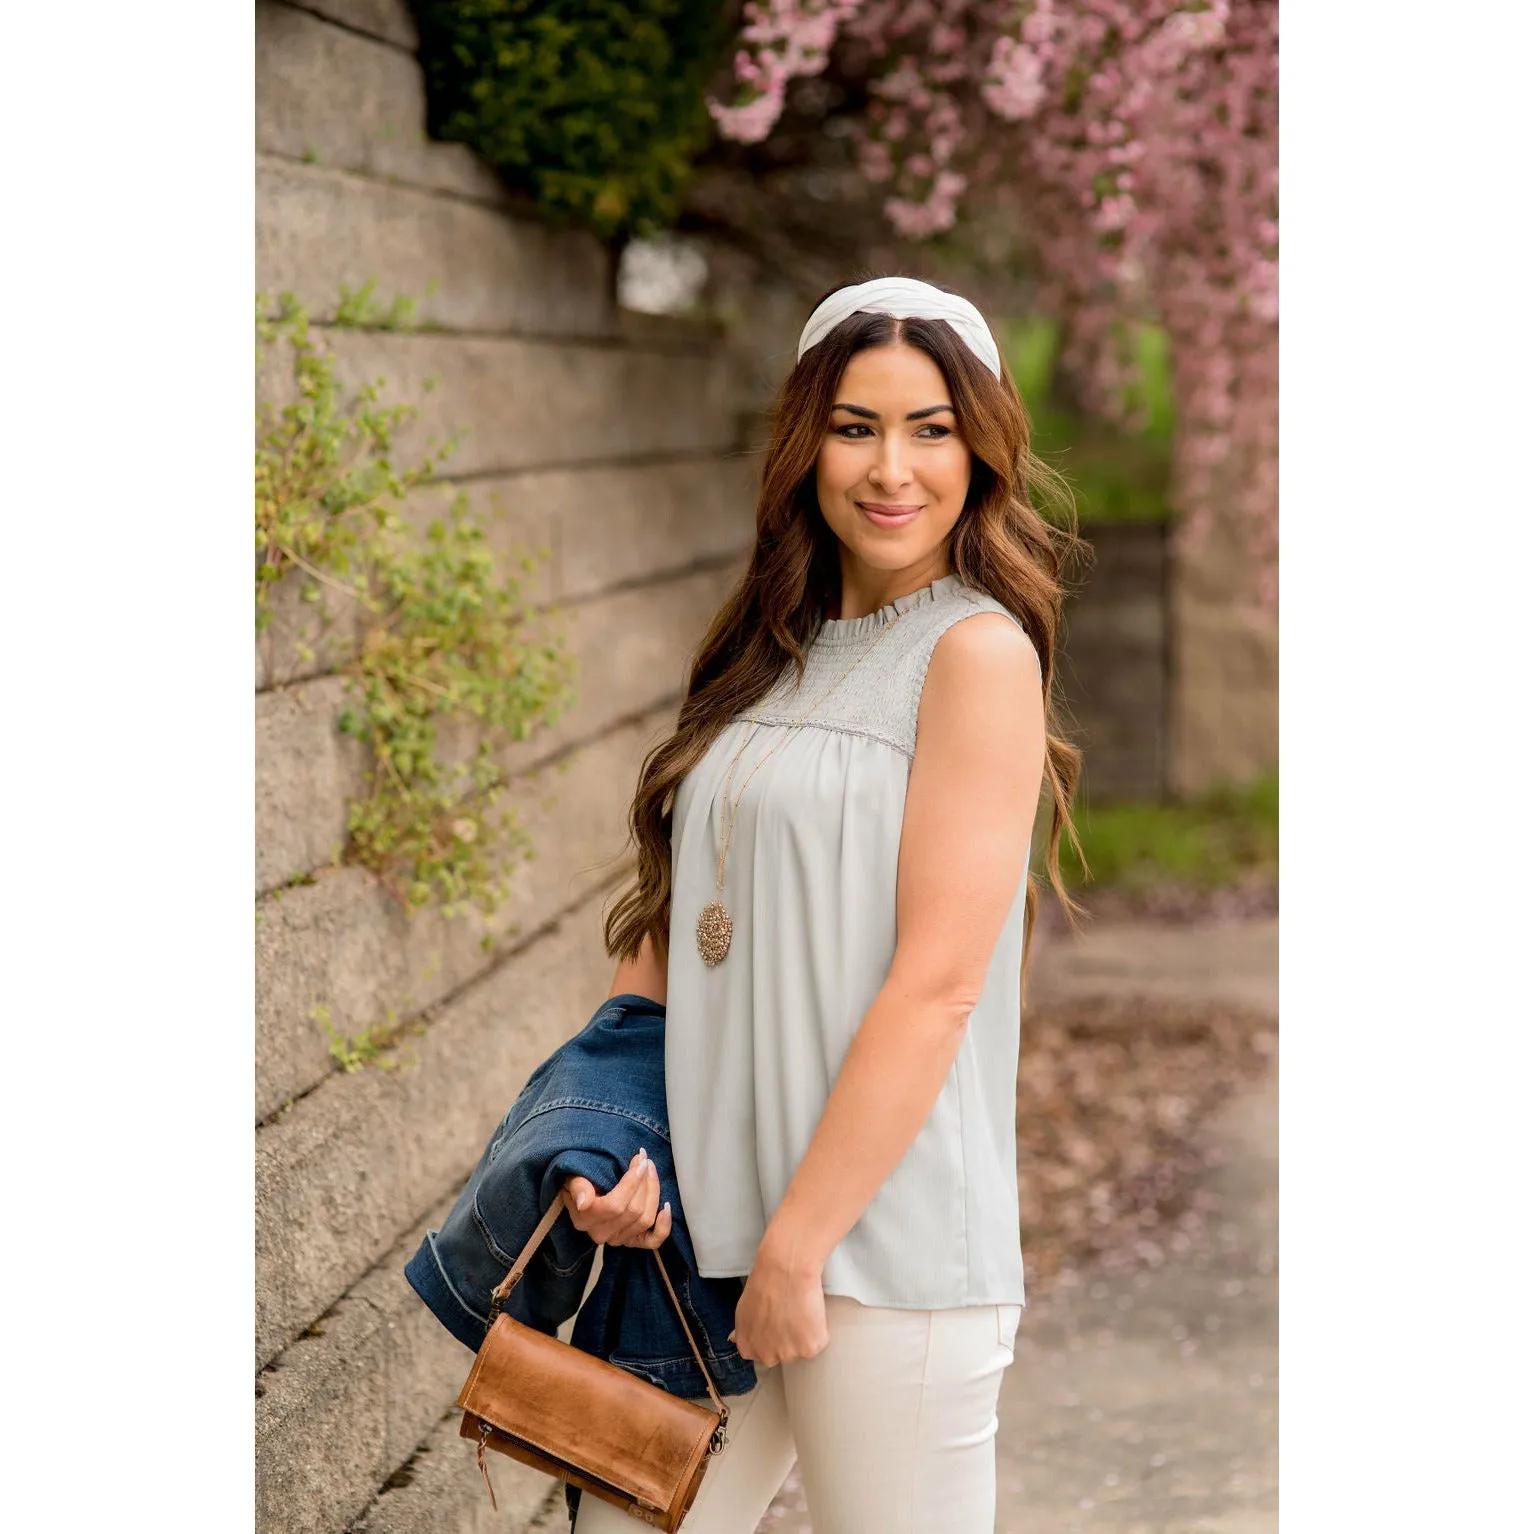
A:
(443, 646)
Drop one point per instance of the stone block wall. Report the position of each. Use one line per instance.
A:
(1168, 666)
(616, 444)
(1223, 725)
(1114, 663)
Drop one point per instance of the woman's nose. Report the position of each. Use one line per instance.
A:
(889, 470)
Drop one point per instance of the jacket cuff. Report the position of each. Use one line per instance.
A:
(424, 1274)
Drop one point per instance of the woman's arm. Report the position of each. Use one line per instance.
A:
(642, 976)
(969, 810)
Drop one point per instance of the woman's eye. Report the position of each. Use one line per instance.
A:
(936, 431)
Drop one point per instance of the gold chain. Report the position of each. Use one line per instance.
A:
(727, 817)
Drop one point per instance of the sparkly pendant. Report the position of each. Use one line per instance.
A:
(714, 929)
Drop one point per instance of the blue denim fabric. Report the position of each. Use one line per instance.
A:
(586, 1110)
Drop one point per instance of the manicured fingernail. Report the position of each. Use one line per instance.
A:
(666, 1207)
(642, 1155)
(581, 1200)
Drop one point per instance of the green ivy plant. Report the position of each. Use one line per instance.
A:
(444, 647)
(352, 1051)
(596, 108)
(360, 308)
(378, 1045)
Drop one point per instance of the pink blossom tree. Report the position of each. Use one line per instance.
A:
(1135, 143)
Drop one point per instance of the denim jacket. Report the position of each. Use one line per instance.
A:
(586, 1110)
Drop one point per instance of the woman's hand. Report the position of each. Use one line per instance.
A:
(781, 1315)
(630, 1215)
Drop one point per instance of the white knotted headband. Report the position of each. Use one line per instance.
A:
(909, 299)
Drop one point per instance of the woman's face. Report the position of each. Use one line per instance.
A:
(893, 471)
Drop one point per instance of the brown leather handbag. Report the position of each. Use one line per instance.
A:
(539, 1400)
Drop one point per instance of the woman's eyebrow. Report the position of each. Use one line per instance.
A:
(873, 415)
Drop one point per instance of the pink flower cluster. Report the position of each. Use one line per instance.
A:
(782, 40)
(1136, 143)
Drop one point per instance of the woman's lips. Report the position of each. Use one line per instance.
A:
(882, 514)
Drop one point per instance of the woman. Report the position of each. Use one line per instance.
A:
(831, 900)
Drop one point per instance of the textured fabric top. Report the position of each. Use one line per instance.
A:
(754, 1043)
(880, 698)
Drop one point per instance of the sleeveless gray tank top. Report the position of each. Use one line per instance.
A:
(754, 1044)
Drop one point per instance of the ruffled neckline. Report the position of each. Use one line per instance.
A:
(840, 630)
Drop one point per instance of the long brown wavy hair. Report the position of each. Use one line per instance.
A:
(1001, 544)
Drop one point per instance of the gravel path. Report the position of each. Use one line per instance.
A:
(1147, 1403)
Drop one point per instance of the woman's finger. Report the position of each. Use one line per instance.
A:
(643, 1203)
(612, 1209)
(656, 1235)
(596, 1213)
(646, 1202)
(579, 1197)
(622, 1194)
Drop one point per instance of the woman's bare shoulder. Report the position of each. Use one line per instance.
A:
(983, 650)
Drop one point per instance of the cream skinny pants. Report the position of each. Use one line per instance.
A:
(893, 1424)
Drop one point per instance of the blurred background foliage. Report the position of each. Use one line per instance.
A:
(595, 108)
(1221, 839)
(1117, 475)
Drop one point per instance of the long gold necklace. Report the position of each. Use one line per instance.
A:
(714, 925)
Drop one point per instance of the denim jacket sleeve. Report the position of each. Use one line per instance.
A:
(576, 1114)
(599, 1098)
(455, 1268)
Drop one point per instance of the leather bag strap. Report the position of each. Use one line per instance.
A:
(503, 1289)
